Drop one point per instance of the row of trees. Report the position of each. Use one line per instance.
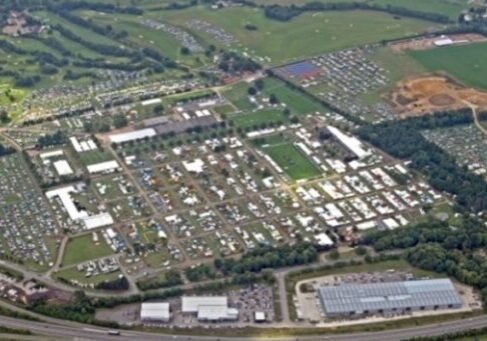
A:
(285, 13)
(55, 6)
(171, 278)
(403, 139)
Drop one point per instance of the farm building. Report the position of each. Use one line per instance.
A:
(393, 297)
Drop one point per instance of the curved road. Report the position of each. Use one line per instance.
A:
(95, 333)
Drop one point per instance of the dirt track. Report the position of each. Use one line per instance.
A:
(426, 94)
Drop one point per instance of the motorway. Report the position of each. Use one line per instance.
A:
(85, 332)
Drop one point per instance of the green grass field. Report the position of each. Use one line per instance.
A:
(9, 95)
(292, 161)
(304, 36)
(467, 64)
(258, 119)
(297, 103)
(81, 249)
(398, 65)
(141, 35)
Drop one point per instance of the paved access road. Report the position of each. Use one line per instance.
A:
(79, 331)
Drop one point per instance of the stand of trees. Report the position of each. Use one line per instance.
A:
(232, 62)
(120, 283)
(5, 150)
(268, 257)
(437, 246)
(54, 139)
(404, 140)
(171, 278)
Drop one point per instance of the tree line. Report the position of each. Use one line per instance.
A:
(286, 13)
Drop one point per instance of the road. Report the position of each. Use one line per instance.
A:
(79, 331)
(476, 118)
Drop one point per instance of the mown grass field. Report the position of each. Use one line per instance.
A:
(141, 35)
(292, 161)
(467, 64)
(304, 36)
(258, 119)
(296, 102)
(81, 249)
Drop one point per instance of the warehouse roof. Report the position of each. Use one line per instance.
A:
(132, 136)
(190, 304)
(216, 313)
(359, 298)
(106, 166)
(155, 311)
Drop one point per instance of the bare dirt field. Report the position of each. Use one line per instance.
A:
(426, 94)
(426, 43)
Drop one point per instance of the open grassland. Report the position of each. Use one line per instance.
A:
(304, 36)
(140, 35)
(467, 64)
(398, 66)
(86, 33)
(292, 161)
(82, 249)
(10, 95)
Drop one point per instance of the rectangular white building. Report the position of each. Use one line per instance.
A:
(132, 136)
(155, 312)
(103, 167)
(209, 308)
(63, 168)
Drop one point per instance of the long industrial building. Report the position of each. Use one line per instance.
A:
(388, 298)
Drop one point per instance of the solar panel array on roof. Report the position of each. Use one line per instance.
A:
(366, 298)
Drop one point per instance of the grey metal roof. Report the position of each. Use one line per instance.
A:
(357, 298)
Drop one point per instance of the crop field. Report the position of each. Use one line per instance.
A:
(466, 64)
(81, 249)
(304, 36)
(292, 161)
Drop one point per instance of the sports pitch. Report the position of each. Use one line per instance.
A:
(292, 161)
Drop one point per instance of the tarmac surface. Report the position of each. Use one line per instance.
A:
(85, 332)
